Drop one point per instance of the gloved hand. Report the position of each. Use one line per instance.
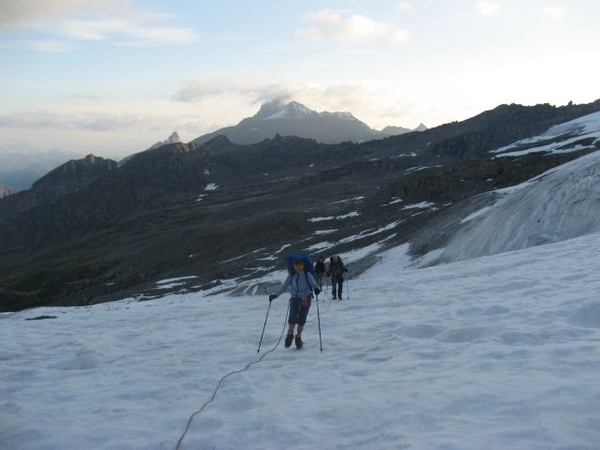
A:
(272, 297)
(317, 291)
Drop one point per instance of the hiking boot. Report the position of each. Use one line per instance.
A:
(288, 340)
(298, 342)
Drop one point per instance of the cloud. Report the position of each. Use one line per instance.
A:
(111, 21)
(404, 6)
(210, 87)
(488, 8)
(555, 12)
(359, 28)
(47, 45)
(253, 89)
(63, 121)
(104, 128)
(248, 90)
(128, 31)
(355, 29)
(24, 12)
(324, 25)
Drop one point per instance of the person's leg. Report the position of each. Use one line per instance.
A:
(301, 321)
(302, 315)
(333, 288)
(298, 339)
(292, 320)
(340, 284)
(290, 335)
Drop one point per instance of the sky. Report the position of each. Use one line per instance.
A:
(113, 77)
(495, 349)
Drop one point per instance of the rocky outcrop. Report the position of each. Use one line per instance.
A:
(77, 172)
(172, 139)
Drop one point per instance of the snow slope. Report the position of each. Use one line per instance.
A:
(495, 353)
(565, 137)
(560, 204)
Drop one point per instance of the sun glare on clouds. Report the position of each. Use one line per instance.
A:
(488, 8)
(555, 12)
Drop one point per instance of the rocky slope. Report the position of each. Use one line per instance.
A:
(95, 231)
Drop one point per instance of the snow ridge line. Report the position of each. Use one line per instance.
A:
(224, 377)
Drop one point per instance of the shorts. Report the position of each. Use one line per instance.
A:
(299, 310)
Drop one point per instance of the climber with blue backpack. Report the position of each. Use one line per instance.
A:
(301, 284)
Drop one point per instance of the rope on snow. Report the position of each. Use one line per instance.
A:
(220, 384)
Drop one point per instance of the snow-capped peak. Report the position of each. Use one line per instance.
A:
(345, 115)
(292, 110)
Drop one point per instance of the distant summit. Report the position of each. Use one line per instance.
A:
(278, 110)
(395, 131)
(5, 190)
(173, 139)
(294, 119)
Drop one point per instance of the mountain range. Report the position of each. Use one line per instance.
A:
(19, 169)
(94, 230)
(295, 119)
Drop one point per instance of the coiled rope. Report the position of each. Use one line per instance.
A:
(220, 384)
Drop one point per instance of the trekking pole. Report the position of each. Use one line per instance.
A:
(263, 330)
(348, 287)
(319, 322)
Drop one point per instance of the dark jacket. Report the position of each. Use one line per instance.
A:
(336, 270)
(320, 267)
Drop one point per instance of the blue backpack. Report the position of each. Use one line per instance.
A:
(308, 265)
